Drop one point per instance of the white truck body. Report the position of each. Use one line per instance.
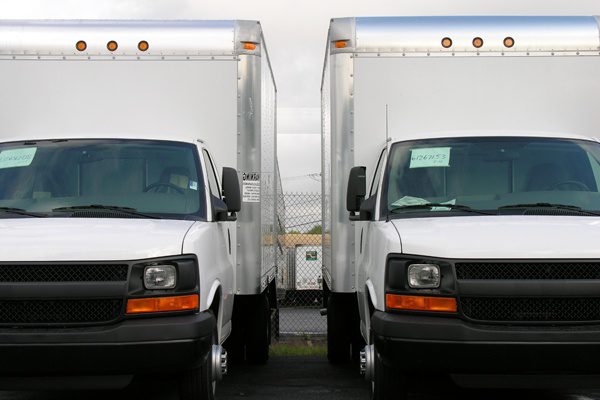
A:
(389, 81)
(205, 83)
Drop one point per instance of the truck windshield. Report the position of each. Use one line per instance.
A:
(159, 179)
(493, 175)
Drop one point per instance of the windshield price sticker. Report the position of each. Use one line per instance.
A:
(17, 157)
(251, 187)
(433, 157)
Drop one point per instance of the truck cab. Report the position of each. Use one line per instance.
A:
(105, 243)
(473, 282)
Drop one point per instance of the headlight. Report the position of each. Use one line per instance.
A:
(424, 276)
(160, 277)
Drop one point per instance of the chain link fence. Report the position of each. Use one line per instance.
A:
(299, 279)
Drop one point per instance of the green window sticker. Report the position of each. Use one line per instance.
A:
(12, 158)
(432, 157)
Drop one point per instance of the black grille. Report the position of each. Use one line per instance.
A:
(528, 271)
(531, 309)
(63, 273)
(59, 311)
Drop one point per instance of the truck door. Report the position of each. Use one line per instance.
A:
(362, 250)
(225, 240)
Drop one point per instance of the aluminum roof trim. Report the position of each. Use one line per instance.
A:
(165, 37)
(425, 34)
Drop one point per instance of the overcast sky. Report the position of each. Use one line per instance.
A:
(295, 32)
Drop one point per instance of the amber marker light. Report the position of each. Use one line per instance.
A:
(112, 45)
(509, 42)
(249, 46)
(340, 44)
(81, 45)
(143, 45)
(420, 303)
(478, 42)
(162, 304)
(446, 42)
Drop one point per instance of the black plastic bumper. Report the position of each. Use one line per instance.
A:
(162, 344)
(422, 343)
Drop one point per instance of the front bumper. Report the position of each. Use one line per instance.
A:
(451, 345)
(145, 345)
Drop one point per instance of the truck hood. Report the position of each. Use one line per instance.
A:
(80, 239)
(501, 236)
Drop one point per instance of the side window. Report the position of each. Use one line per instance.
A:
(377, 175)
(595, 170)
(213, 181)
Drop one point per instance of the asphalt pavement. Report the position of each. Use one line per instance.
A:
(300, 378)
(299, 320)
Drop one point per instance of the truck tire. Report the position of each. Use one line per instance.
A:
(198, 383)
(338, 335)
(235, 342)
(389, 383)
(258, 336)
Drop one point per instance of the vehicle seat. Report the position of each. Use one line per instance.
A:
(177, 176)
(417, 183)
(544, 177)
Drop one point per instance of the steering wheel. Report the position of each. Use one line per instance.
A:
(577, 184)
(163, 184)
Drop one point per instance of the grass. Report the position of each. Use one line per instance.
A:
(298, 348)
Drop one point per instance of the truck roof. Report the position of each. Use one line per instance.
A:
(427, 34)
(163, 37)
(173, 136)
(457, 134)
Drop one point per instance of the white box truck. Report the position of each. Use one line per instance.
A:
(126, 244)
(470, 147)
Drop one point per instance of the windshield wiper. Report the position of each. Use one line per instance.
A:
(458, 207)
(125, 210)
(567, 207)
(20, 211)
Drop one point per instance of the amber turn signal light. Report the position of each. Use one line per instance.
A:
(112, 45)
(420, 303)
(143, 45)
(81, 45)
(478, 42)
(249, 46)
(340, 44)
(446, 42)
(509, 42)
(162, 304)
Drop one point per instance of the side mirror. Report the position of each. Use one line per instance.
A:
(357, 189)
(231, 190)
(232, 202)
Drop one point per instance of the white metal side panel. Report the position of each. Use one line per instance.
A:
(338, 160)
(451, 94)
(188, 100)
(268, 173)
(326, 170)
